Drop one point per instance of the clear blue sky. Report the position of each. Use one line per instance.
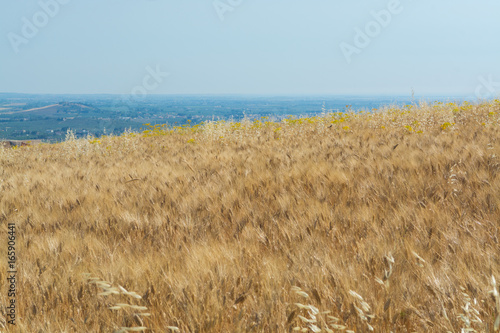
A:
(249, 46)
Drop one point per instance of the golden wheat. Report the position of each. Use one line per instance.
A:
(386, 221)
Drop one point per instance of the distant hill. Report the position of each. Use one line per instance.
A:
(53, 110)
(48, 117)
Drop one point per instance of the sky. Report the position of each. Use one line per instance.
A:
(270, 47)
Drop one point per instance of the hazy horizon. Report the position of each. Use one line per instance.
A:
(220, 47)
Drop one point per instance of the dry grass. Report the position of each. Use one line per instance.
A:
(341, 222)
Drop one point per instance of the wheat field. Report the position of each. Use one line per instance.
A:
(344, 222)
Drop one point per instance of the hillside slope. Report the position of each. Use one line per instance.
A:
(387, 220)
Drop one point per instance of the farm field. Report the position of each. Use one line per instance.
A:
(382, 221)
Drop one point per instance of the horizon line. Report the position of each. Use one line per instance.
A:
(250, 94)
